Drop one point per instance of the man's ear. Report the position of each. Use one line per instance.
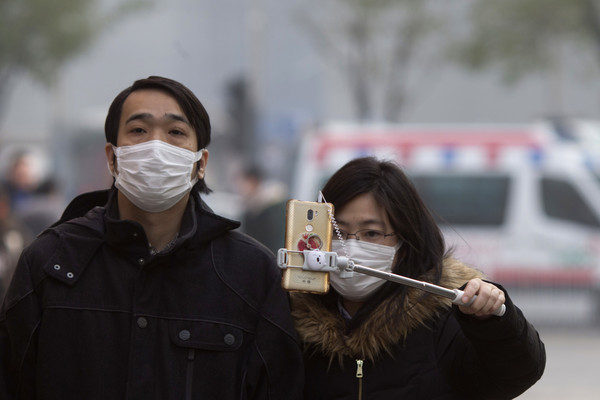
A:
(111, 159)
(202, 162)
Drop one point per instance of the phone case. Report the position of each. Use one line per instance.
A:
(308, 227)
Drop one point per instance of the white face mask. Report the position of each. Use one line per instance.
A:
(356, 286)
(155, 175)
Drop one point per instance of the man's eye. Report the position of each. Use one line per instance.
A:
(137, 130)
(176, 132)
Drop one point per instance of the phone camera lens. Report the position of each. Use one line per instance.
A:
(309, 215)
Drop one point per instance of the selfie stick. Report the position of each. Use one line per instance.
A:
(316, 260)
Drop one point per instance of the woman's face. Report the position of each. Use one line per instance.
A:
(365, 218)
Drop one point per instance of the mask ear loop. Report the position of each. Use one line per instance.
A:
(334, 223)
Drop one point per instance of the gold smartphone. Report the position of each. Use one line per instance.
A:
(308, 227)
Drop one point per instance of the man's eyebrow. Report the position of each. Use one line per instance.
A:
(139, 116)
(148, 117)
(177, 117)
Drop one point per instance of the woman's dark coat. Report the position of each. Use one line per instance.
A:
(422, 349)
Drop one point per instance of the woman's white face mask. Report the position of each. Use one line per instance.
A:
(359, 287)
(155, 175)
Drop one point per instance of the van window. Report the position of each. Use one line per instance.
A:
(465, 199)
(562, 201)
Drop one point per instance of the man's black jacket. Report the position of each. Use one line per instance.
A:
(91, 314)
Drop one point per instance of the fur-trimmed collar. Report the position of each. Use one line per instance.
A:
(322, 330)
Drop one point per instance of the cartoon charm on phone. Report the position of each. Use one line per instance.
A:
(309, 241)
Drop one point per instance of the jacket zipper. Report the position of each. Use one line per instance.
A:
(190, 374)
(359, 376)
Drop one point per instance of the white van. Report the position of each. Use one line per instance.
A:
(513, 201)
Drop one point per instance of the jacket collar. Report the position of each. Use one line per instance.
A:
(199, 222)
(323, 329)
(86, 225)
(78, 242)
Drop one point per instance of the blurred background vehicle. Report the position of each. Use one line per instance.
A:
(517, 201)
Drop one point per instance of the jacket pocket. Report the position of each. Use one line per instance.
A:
(205, 335)
(202, 336)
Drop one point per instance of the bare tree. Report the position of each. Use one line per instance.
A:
(37, 37)
(520, 37)
(377, 45)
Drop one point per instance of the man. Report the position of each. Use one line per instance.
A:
(141, 292)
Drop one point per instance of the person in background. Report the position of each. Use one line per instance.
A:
(35, 200)
(141, 291)
(373, 339)
(264, 208)
(13, 238)
(22, 179)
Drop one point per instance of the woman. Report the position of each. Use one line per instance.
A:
(373, 339)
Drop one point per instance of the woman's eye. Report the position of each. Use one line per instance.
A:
(372, 234)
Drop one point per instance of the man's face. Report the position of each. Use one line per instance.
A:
(150, 114)
(23, 173)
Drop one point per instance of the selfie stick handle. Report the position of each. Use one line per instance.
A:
(453, 294)
(316, 260)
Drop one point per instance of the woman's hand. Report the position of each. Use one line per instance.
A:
(489, 298)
